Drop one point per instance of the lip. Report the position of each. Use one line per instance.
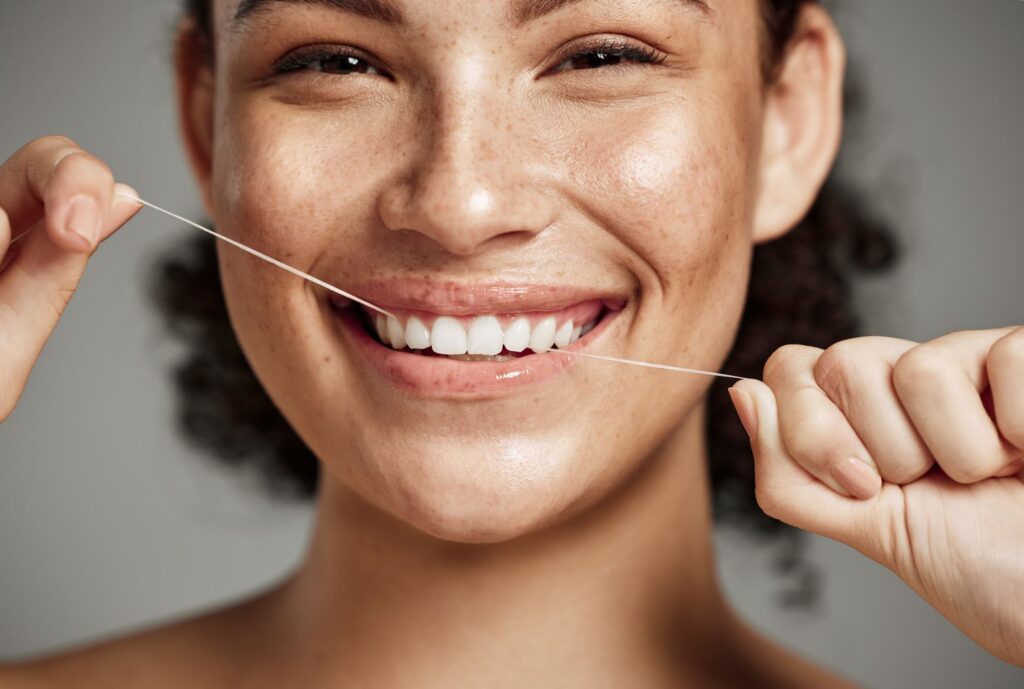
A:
(450, 298)
(442, 378)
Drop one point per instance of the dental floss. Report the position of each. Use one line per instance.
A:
(332, 288)
(257, 254)
(644, 364)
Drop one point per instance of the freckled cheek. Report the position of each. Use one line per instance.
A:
(284, 186)
(269, 176)
(672, 195)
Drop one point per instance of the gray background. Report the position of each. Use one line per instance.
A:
(108, 522)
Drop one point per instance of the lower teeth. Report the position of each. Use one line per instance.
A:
(478, 357)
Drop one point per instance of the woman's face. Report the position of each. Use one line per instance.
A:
(592, 161)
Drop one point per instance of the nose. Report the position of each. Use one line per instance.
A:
(470, 180)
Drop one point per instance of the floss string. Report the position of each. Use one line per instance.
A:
(343, 293)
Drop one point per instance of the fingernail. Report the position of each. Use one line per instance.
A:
(83, 219)
(858, 477)
(746, 410)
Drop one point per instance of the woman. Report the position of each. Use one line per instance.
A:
(488, 173)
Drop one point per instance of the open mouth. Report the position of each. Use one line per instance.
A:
(459, 342)
(485, 338)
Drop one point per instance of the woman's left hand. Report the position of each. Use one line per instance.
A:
(912, 454)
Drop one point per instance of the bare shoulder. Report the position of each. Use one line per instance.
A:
(195, 652)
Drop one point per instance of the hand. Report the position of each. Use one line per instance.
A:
(68, 197)
(912, 454)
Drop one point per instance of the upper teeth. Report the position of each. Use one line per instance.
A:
(484, 336)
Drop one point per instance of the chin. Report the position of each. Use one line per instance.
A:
(462, 495)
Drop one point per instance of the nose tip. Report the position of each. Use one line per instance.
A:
(463, 209)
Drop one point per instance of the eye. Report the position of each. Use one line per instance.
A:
(327, 60)
(610, 53)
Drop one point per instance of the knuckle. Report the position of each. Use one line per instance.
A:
(783, 362)
(83, 163)
(838, 367)
(45, 145)
(918, 367)
(1010, 349)
(57, 141)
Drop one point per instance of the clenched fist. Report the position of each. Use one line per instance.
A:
(912, 454)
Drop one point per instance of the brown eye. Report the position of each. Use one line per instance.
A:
(327, 61)
(342, 64)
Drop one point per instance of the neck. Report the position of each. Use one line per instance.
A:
(625, 588)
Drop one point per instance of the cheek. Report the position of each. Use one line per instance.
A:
(282, 184)
(675, 187)
(676, 191)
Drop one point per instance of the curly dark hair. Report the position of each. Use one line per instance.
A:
(799, 293)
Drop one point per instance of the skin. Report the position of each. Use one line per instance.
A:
(560, 533)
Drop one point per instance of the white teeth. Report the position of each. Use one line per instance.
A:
(485, 336)
(416, 334)
(448, 336)
(382, 328)
(396, 333)
(517, 336)
(543, 335)
(564, 335)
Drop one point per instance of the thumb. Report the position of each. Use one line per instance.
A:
(787, 492)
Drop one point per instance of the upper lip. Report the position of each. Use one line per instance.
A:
(453, 298)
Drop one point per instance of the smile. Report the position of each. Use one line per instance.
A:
(472, 342)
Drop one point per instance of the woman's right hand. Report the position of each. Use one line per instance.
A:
(69, 199)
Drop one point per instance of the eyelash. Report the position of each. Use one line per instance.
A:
(628, 53)
(635, 54)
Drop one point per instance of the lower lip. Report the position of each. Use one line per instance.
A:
(430, 376)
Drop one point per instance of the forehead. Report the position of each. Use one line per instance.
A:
(517, 12)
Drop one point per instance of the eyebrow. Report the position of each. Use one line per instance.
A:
(379, 10)
(523, 11)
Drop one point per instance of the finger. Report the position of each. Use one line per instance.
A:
(785, 490)
(814, 430)
(1005, 369)
(5, 238)
(857, 376)
(52, 177)
(940, 384)
(34, 291)
(123, 208)
(77, 197)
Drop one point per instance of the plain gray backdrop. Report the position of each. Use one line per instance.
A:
(108, 522)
